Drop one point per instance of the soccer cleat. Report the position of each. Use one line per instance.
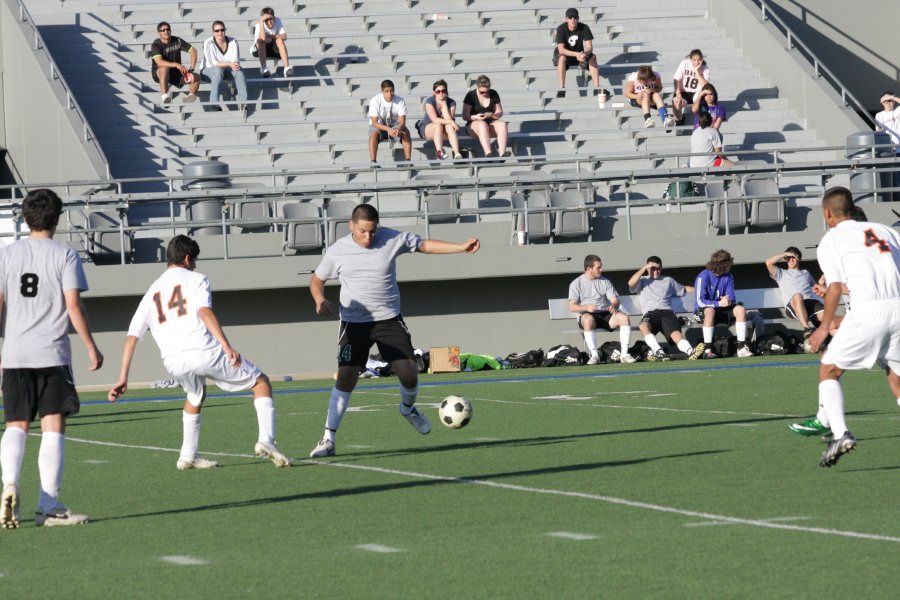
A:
(810, 427)
(594, 359)
(658, 356)
(744, 351)
(836, 449)
(649, 123)
(323, 448)
(628, 359)
(669, 123)
(697, 352)
(709, 354)
(417, 420)
(196, 463)
(271, 451)
(58, 515)
(9, 507)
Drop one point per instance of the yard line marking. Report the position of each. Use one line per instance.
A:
(378, 548)
(184, 561)
(561, 397)
(772, 520)
(568, 535)
(532, 490)
(95, 462)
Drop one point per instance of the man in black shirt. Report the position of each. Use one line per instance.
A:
(166, 67)
(574, 46)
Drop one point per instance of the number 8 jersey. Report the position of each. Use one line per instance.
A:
(865, 257)
(170, 309)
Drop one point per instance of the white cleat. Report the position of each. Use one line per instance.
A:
(9, 507)
(323, 448)
(417, 420)
(628, 359)
(196, 463)
(59, 515)
(271, 451)
(594, 359)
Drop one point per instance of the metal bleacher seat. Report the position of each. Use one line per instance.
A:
(720, 199)
(253, 210)
(107, 246)
(572, 218)
(540, 226)
(586, 189)
(340, 211)
(438, 201)
(303, 236)
(765, 212)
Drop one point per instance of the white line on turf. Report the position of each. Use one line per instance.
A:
(772, 520)
(96, 462)
(534, 490)
(378, 548)
(568, 535)
(184, 561)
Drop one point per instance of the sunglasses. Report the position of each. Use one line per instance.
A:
(219, 30)
(164, 30)
(441, 91)
(486, 92)
(572, 18)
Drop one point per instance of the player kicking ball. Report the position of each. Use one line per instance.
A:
(177, 309)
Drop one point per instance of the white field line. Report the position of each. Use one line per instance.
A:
(535, 490)
(184, 561)
(378, 548)
(772, 520)
(569, 535)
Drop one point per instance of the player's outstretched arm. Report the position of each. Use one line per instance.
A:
(470, 246)
(121, 386)
(78, 317)
(317, 289)
(209, 319)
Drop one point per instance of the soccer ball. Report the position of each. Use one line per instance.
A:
(455, 412)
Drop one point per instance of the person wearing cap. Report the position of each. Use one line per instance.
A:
(166, 67)
(574, 47)
(889, 121)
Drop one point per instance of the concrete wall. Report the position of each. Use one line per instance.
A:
(43, 140)
(858, 42)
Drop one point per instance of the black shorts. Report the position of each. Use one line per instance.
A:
(391, 335)
(175, 77)
(571, 61)
(812, 307)
(271, 50)
(662, 320)
(688, 97)
(600, 318)
(724, 315)
(28, 393)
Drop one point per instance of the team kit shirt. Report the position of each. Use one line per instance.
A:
(655, 294)
(710, 289)
(716, 111)
(889, 121)
(686, 76)
(368, 276)
(640, 86)
(600, 292)
(277, 28)
(704, 142)
(795, 281)
(170, 52)
(573, 40)
(37, 321)
(171, 311)
(387, 113)
(866, 258)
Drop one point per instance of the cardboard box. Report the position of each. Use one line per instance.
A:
(444, 360)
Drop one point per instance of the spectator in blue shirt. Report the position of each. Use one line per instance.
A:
(716, 303)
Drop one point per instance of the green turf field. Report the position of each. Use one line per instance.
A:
(666, 480)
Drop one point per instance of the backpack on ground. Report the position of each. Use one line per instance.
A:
(725, 346)
(607, 349)
(639, 350)
(778, 343)
(524, 360)
(564, 355)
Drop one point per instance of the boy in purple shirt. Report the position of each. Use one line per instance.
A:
(716, 304)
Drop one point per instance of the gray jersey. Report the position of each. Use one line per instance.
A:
(34, 274)
(586, 291)
(368, 276)
(656, 293)
(795, 281)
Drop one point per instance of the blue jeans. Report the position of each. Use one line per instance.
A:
(217, 74)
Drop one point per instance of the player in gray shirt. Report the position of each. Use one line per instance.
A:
(41, 283)
(799, 291)
(596, 301)
(365, 264)
(656, 292)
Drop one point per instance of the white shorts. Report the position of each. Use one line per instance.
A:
(869, 334)
(192, 369)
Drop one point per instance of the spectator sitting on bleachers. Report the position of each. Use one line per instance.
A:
(166, 67)
(222, 59)
(691, 75)
(482, 111)
(801, 294)
(440, 120)
(644, 88)
(889, 121)
(387, 121)
(268, 39)
(574, 47)
(706, 146)
(707, 101)
(716, 303)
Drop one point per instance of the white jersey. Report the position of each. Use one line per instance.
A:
(865, 257)
(640, 86)
(686, 76)
(171, 310)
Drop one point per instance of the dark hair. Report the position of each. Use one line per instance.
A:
(267, 11)
(696, 52)
(704, 119)
(710, 87)
(438, 83)
(364, 212)
(645, 73)
(858, 213)
(795, 251)
(720, 262)
(41, 209)
(179, 247)
(839, 200)
(655, 259)
(218, 23)
(161, 23)
(589, 261)
(387, 83)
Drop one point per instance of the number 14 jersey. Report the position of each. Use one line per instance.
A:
(865, 257)
(170, 310)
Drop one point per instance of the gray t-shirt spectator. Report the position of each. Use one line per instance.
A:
(599, 292)
(368, 276)
(656, 293)
(705, 141)
(795, 281)
(34, 275)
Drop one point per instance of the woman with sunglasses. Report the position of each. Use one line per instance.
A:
(440, 121)
(707, 101)
(221, 60)
(482, 111)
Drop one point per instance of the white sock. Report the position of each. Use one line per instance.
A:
(51, 458)
(708, 334)
(822, 416)
(12, 451)
(684, 346)
(337, 406)
(624, 337)
(831, 397)
(265, 416)
(652, 342)
(408, 398)
(591, 341)
(741, 329)
(190, 438)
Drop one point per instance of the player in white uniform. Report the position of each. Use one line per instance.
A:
(691, 75)
(365, 262)
(864, 257)
(177, 309)
(41, 282)
(644, 88)
(596, 301)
